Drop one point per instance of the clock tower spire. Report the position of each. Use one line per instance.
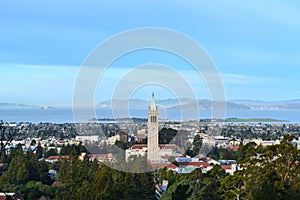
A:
(152, 154)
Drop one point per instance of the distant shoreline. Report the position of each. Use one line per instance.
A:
(232, 119)
(254, 120)
(66, 115)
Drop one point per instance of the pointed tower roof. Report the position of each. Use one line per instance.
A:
(153, 105)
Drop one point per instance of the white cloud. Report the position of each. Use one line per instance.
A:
(47, 67)
(241, 79)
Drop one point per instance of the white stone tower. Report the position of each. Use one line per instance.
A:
(152, 153)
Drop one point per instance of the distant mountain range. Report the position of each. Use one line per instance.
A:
(185, 103)
(203, 104)
(16, 105)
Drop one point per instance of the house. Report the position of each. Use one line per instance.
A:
(53, 159)
(141, 150)
(99, 157)
(88, 138)
(161, 165)
(230, 169)
(141, 135)
(187, 165)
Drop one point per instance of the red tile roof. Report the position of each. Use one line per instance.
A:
(196, 164)
(57, 157)
(226, 167)
(163, 165)
(138, 146)
(234, 147)
(166, 157)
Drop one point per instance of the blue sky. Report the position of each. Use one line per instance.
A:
(254, 44)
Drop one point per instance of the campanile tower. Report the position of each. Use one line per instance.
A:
(153, 148)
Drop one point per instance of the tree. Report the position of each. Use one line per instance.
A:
(6, 136)
(232, 187)
(179, 190)
(166, 135)
(196, 148)
(17, 160)
(267, 172)
(39, 151)
(211, 183)
(22, 174)
(51, 152)
(33, 142)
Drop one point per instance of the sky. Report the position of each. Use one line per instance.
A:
(254, 44)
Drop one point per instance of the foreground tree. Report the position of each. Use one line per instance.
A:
(7, 135)
(267, 173)
(271, 172)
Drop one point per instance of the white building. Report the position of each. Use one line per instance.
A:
(87, 138)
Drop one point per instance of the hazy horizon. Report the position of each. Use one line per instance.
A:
(149, 100)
